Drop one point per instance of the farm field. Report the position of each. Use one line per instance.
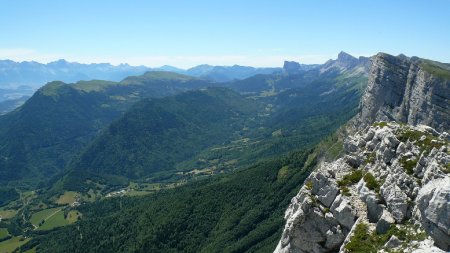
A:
(12, 244)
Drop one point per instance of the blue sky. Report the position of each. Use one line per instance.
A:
(187, 33)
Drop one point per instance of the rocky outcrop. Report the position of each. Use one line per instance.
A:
(322, 218)
(394, 179)
(409, 90)
(433, 208)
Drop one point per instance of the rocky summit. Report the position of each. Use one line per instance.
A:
(390, 192)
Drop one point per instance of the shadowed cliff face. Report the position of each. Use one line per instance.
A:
(407, 90)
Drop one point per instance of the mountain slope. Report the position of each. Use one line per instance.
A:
(40, 137)
(239, 212)
(156, 134)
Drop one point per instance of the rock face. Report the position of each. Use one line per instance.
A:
(408, 90)
(393, 176)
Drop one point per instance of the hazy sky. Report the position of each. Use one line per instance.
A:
(187, 33)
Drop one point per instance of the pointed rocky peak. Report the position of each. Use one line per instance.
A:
(346, 60)
(343, 56)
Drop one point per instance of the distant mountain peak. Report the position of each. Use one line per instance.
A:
(345, 56)
(291, 67)
(346, 59)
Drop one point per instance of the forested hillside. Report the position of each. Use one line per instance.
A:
(239, 212)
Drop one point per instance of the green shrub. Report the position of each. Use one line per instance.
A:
(309, 185)
(426, 144)
(371, 158)
(446, 168)
(361, 241)
(351, 178)
(371, 182)
(380, 124)
(345, 191)
(408, 165)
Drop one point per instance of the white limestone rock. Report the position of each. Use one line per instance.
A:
(320, 218)
(385, 222)
(433, 203)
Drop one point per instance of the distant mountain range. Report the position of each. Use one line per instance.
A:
(14, 75)
(19, 80)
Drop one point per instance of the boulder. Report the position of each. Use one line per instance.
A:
(393, 242)
(374, 209)
(396, 199)
(335, 237)
(351, 145)
(324, 187)
(385, 222)
(343, 212)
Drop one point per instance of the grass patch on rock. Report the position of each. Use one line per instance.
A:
(371, 158)
(408, 165)
(371, 182)
(351, 178)
(365, 241)
(426, 142)
(380, 124)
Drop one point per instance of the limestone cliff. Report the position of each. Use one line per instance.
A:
(408, 90)
(391, 191)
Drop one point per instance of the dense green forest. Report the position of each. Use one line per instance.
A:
(239, 212)
(7, 195)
